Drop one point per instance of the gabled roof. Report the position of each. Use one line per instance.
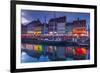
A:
(60, 19)
(35, 23)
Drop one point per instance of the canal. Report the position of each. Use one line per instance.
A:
(45, 53)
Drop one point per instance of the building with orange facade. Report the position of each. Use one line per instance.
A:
(79, 27)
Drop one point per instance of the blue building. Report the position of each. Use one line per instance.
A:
(69, 28)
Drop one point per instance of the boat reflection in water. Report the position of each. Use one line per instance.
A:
(44, 53)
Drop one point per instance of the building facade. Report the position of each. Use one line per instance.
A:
(23, 29)
(69, 28)
(57, 25)
(35, 27)
(79, 27)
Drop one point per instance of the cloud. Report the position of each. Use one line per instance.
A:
(23, 14)
(24, 21)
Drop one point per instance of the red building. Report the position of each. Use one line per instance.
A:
(79, 27)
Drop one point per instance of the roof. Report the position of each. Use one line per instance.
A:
(35, 23)
(60, 19)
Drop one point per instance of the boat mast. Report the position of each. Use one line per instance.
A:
(44, 24)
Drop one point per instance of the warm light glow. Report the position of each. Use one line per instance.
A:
(79, 30)
(50, 32)
(80, 51)
(37, 33)
(37, 47)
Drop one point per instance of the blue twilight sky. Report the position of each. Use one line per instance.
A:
(30, 15)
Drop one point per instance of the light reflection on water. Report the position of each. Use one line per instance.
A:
(41, 53)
